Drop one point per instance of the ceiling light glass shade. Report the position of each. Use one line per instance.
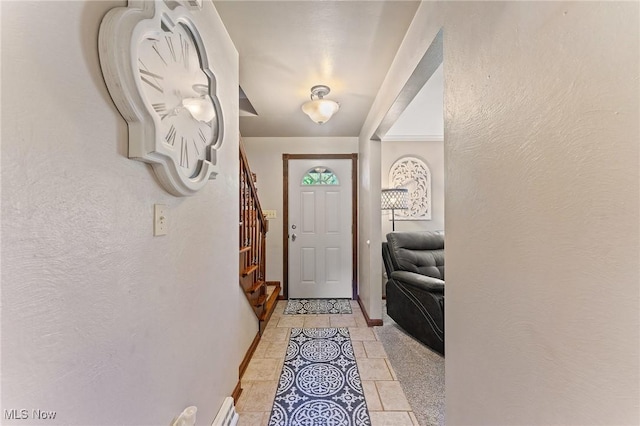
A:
(395, 198)
(320, 110)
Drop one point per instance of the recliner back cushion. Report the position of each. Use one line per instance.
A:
(419, 252)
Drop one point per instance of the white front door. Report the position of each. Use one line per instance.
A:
(320, 252)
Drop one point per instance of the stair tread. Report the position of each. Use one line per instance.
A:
(249, 270)
(260, 301)
(271, 302)
(245, 249)
(255, 286)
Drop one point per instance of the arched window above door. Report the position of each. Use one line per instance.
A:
(320, 176)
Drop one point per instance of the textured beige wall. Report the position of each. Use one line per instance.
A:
(542, 213)
(542, 207)
(102, 322)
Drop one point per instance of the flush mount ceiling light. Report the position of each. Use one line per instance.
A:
(319, 109)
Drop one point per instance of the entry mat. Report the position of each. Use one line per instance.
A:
(319, 384)
(317, 306)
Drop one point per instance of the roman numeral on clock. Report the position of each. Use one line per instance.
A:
(172, 50)
(202, 136)
(160, 107)
(195, 145)
(184, 154)
(171, 136)
(147, 76)
(155, 47)
(184, 44)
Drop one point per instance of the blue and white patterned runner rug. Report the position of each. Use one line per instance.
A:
(319, 384)
(317, 306)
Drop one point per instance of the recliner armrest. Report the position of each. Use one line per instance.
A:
(422, 282)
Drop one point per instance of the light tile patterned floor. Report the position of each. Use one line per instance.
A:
(385, 398)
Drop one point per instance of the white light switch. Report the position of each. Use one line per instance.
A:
(270, 214)
(160, 220)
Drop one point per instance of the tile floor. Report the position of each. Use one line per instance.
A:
(385, 398)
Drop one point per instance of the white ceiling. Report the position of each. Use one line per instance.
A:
(286, 47)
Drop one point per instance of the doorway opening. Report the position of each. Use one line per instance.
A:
(412, 148)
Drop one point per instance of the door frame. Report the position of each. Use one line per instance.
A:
(354, 215)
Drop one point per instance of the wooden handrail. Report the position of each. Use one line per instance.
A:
(248, 177)
(253, 243)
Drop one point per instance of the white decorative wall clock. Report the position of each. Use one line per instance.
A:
(412, 173)
(157, 71)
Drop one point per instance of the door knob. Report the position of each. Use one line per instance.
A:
(293, 237)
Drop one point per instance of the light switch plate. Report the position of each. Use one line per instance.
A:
(270, 214)
(160, 220)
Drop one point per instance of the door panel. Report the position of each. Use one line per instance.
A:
(308, 207)
(308, 264)
(332, 264)
(332, 212)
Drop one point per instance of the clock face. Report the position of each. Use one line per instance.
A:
(176, 91)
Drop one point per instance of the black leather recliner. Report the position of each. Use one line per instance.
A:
(414, 262)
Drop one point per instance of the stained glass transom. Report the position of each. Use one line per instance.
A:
(320, 176)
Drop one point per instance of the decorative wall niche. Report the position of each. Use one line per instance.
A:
(414, 174)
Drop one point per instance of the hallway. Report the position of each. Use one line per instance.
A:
(385, 398)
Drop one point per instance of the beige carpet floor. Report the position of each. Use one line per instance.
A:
(419, 370)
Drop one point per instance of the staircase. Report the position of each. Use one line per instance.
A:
(253, 233)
